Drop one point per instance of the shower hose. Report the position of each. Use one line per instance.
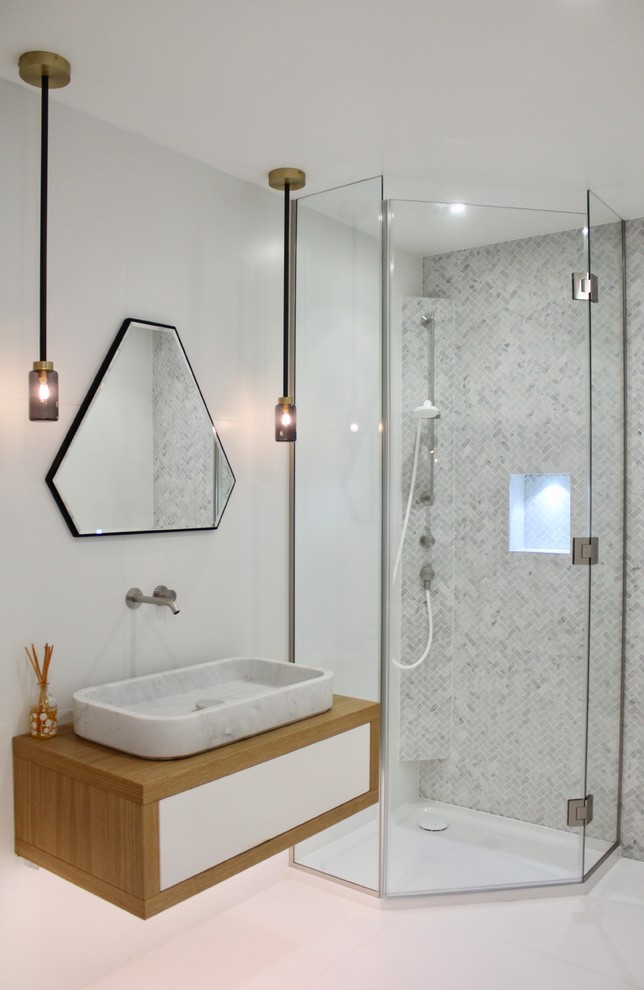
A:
(428, 599)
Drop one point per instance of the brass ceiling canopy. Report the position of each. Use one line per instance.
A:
(32, 66)
(279, 177)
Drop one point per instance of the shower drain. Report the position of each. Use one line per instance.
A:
(431, 824)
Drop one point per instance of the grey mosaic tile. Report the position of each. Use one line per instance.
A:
(633, 779)
(498, 715)
(426, 692)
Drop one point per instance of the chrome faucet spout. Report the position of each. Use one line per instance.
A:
(156, 600)
(162, 596)
(171, 605)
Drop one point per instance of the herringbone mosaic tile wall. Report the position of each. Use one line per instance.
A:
(426, 693)
(633, 791)
(608, 486)
(497, 717)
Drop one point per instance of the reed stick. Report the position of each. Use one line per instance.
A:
(45, 672)
(42, 673)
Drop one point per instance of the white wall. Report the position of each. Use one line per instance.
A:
(135, 231)
(338, 469)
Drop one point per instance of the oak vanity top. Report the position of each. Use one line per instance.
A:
(145, 781)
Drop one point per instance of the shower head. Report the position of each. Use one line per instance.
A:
(427, 411)
(427, 322)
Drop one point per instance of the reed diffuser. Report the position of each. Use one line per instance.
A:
(43, 721)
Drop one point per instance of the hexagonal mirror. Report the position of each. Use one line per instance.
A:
(142, 455)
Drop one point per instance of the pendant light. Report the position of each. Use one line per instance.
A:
(286, 179)
(48, 71)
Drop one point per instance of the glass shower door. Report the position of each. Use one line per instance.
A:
(338, 475)
(496, 414)
(606, 316)
(485, 736)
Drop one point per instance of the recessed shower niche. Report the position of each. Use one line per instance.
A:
(539, 513)
(515, 711)
(142, 454)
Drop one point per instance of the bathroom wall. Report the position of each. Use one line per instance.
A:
(338, 453)
(633, 782)
(134, 231)
(510, 631)
(426, 693)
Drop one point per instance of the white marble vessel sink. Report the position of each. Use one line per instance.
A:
(192, 709)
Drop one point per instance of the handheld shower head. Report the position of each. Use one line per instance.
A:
(427, 411)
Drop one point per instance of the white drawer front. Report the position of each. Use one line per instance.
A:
(208, 824)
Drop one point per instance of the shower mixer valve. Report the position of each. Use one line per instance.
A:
(427, 575)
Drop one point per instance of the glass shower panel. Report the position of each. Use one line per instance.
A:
(338, 474)
(606, 606)
(486, 736)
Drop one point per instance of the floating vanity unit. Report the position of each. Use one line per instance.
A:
(147, 834)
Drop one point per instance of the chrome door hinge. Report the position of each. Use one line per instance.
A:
(580, 811)
(585, 286)
(585, 549)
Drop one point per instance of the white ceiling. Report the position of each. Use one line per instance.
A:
(515, 102)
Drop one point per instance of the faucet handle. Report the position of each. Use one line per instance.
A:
(133, 598)
(162, 592)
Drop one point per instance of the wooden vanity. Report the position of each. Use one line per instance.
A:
(146, 834)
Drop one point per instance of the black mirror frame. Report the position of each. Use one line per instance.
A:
(79, 417)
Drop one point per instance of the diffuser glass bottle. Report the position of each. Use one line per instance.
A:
(43, 717)
(43, 714)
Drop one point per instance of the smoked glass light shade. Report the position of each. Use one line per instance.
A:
(43, 394)
(285, 420)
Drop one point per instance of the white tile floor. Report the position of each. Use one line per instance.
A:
(294, 935)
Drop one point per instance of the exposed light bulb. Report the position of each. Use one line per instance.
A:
(43, 391)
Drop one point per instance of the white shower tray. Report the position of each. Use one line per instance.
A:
(193, 709)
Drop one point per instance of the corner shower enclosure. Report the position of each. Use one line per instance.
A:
(500, 757)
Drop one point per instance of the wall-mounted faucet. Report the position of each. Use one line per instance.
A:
(161, 596)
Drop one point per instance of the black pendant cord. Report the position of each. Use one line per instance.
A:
(287, 263)
(44, 148)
